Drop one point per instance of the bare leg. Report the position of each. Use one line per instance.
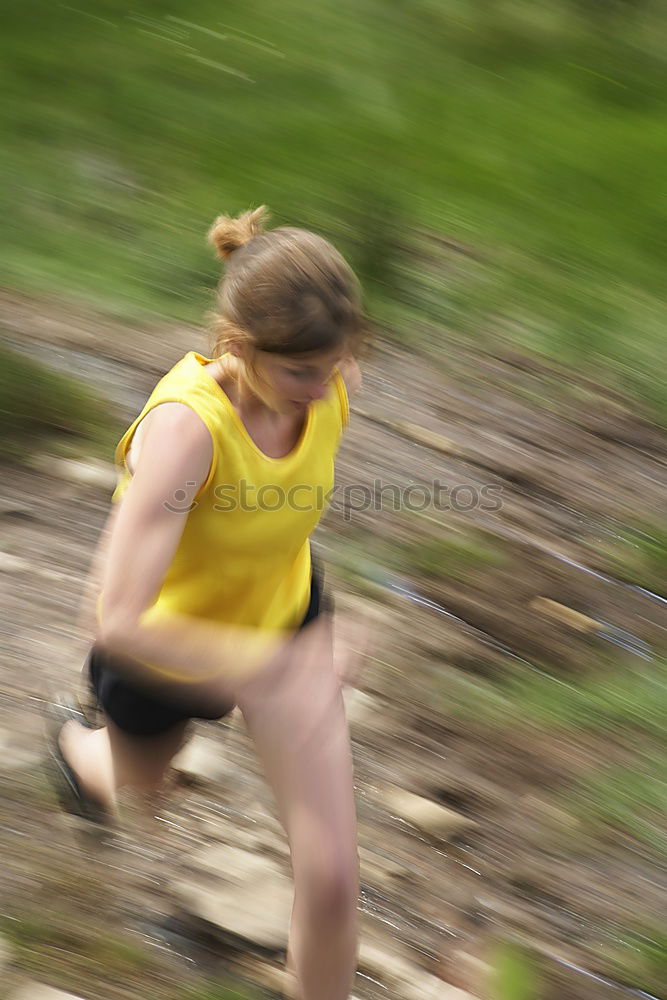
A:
(107, 759)
(297, 721)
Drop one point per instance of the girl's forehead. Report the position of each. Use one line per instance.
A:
(314, 359)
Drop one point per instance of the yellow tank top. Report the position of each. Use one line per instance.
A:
(244, 556)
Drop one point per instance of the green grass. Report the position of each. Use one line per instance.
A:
(41, 408)
(514, 974)
(627, 697)
(50, 942)
(625, 703)
(530, 138)
(632, 800)
(638, 555)
(412, 551)
(642, 958)
(457, 557)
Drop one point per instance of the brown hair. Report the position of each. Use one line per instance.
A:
(287, 291)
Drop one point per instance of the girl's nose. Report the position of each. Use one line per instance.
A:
(318, 390)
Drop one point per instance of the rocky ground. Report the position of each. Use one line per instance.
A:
(470, 845)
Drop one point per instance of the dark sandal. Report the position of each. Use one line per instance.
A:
(73, 799)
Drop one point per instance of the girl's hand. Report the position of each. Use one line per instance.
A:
(351, 375)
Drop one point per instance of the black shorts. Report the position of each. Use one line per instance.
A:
(141, 712)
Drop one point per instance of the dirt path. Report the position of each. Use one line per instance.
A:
(569, 466)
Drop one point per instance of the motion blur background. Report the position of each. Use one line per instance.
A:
(495, 171)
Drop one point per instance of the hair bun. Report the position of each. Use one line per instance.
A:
(227, 234)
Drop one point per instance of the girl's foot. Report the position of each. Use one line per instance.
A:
(66, 726)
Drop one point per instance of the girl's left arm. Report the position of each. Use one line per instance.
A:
(351, 375)
(352, 633)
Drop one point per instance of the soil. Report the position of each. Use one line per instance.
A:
(572, 464)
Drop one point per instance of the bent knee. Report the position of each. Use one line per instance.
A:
(330, 885)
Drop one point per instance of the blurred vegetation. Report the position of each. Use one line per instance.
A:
(630, 696)
(494, 168)
(515, 975)
(642, 958)
(74, 950)
(628, 799)
(418, 548)
(36, 405)
(626, 703)
(454, 556)
(81, 948)
(638, 555)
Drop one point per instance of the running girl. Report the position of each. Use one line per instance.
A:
(208, 596)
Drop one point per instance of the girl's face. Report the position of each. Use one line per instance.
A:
(292, 383)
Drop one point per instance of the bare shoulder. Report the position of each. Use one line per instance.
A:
(174, 438)
(168, 418)
(351, 374)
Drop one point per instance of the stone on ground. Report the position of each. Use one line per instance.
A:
(38, 991)
(402, 979)
(88, 473)
(430, 817)
(244, 895)
(201, 761)
(381, 871)
(13, 564)
(563, 615)
(360, 708)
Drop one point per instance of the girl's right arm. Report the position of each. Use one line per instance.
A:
(87, 616)
(175, 458)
